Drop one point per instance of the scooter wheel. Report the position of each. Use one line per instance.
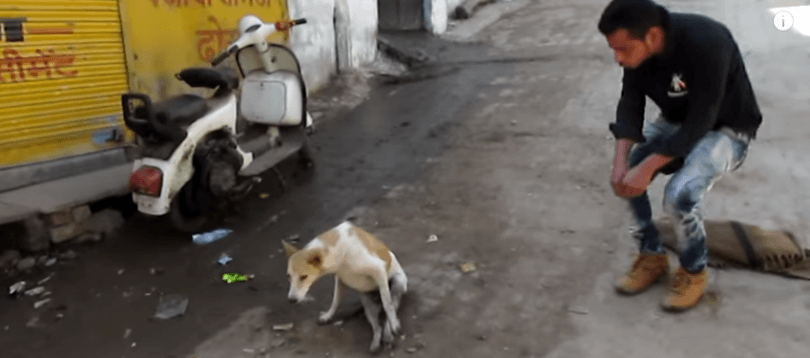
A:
(186, 219)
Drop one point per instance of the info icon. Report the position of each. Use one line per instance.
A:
(783, 20)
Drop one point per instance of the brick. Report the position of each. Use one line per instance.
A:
(66, 232)
(60, 218)
(81, 213)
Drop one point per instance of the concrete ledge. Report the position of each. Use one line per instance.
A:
(12, 212)
(31, 174)
(53, 196)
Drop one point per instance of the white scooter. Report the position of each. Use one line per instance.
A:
(199, 155)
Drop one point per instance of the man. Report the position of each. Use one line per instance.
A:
(691, 67)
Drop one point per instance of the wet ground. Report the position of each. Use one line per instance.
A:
(499, 148)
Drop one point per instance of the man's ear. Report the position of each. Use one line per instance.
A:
(289, 248)
(315, 260)
(655, 37)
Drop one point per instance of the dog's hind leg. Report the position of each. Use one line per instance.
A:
(372, 310)
(387, 336)
(399, 286)
(381, 278)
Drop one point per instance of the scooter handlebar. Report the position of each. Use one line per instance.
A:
(285, 25)
(223, 56)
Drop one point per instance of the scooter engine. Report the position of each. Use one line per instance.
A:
(218, 163)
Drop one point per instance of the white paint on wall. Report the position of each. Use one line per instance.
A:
(364, 23)
(356, 27)
(435, 12)
(314, 42)
(338, 34)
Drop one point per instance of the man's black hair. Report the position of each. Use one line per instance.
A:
(637, 16)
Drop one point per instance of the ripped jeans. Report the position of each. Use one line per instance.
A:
(717, 153)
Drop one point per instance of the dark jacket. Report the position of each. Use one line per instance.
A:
(699, 81)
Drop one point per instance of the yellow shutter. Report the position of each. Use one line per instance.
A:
(62, 72)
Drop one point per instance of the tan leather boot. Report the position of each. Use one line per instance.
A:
(686, 290)
(646, 270)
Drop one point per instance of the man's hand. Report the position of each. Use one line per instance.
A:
(617, 179)
(635, 182)
(620, 165)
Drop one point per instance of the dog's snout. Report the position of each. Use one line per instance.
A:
(292, 299)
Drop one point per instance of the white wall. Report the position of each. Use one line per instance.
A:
(363, 31)
(314, 42)
(337, 32)
(435, 12)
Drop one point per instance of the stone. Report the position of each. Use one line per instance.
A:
(68, 255)
(106, 222)
(60, 218)
(34, 236)
(81, 213)
(9, 258)
(89, 237)
(26, 264)
(64, 233)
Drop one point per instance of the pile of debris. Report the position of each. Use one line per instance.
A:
(39, 236)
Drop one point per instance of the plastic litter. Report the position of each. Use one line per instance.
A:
(211, 236)
(224, 259)
(283, 327)
(433, 238)
(236, 277)
(39, 304)
(35, 291)
(16, 288)
(171, 306)
(46, 279)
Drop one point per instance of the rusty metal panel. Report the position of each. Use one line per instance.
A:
(184, 33)
(62, 71)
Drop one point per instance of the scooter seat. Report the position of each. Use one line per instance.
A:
(180, 110)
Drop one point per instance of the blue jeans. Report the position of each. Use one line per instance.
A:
(717, 153)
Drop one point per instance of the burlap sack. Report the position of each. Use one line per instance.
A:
(732, 243)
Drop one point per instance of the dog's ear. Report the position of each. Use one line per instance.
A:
(289, 248)
(315, 260)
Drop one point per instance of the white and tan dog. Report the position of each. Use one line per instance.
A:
(360, 261)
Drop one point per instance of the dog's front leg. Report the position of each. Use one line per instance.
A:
(385, 296)
(336, 298)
